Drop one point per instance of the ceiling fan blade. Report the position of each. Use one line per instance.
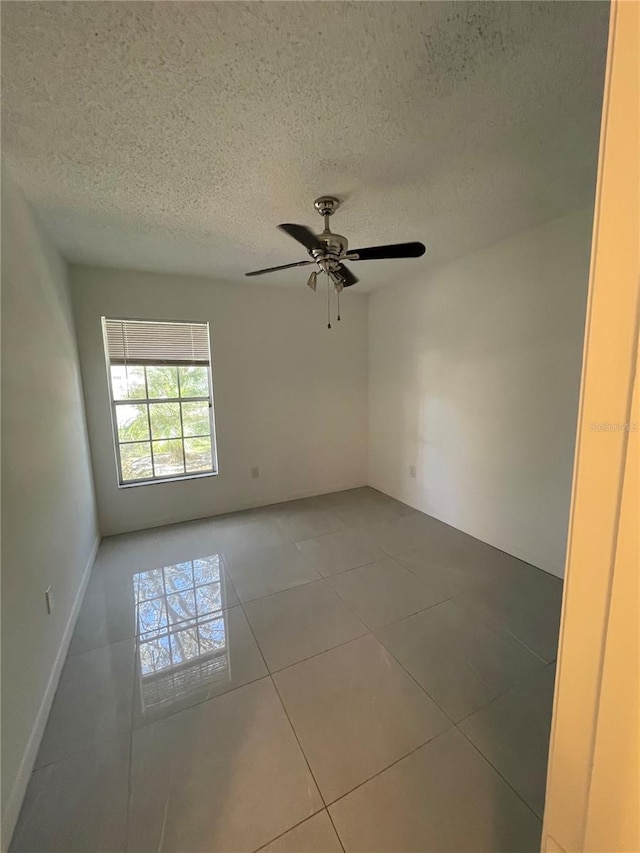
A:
(396, 250)
(345, 275)
(302, 234)
(284, 267)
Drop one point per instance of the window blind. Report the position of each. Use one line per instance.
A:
(156, 342)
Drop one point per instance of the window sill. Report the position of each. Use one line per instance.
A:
(161, 480)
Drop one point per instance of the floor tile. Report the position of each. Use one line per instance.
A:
(402, 534)
(242, 535)
(107, 615)
(461, 663)
(383, 592)
(315, 835)
(355, 711)
(93, 701)
(340, 551)
(188, 662)
(513, 734)
(227, 774)
(78, 804)
(441, 569)
(300, 524)
(529, 609)
(258, 573)
(298, 623)
(372, 511)
(443, 798)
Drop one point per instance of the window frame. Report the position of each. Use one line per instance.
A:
(147, 401)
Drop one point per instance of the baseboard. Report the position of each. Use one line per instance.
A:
(14, 803)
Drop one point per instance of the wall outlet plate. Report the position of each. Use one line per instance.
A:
(255, 473)
(412, 472)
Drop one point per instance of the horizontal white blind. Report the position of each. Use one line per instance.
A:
(156, 342)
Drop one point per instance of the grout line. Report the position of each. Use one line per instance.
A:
(295, 826)
(504, 779)
(366, 633)
(335, 829)
(320, 577)
(295, 734)
(424, 690)
(286, 713)
(113, 736)
(388, 766)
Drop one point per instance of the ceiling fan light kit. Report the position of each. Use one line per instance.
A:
(329, 250)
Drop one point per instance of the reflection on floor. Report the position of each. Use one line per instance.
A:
(181, 631)
(336, 673)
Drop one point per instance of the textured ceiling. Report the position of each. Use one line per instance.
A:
(174, 136)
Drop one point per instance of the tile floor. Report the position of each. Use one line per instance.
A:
(336, 673)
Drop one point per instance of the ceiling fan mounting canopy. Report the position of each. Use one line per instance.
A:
(326, 204)
(329, 250)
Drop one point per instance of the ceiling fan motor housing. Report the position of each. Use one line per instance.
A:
(334, 246)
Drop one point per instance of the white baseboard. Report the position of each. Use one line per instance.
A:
(19, 788)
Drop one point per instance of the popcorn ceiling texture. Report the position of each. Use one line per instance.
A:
(174, 136)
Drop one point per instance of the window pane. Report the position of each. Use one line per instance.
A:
(197, 453)
(212, 635)
(207, 569)
(194, 381)
(133, 424)
(165, 420)
(179, 577)
(148, 585)
(208, 599)
(181, 606)
(184, 645)
(154, 656)
(152, 617)
(127, 382)
(136, 461)
(195, 418)
(162, 382)
(167, 458)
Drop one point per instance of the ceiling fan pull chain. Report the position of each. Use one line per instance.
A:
(338, 306)
(328, 302)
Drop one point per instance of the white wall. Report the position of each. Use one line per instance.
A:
(49, 528)
(290, 396)
(474, 379)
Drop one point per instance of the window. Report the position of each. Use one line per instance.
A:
(161, 399)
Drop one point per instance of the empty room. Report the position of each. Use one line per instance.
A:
(294, 299)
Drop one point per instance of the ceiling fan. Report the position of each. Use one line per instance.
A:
(329, 250)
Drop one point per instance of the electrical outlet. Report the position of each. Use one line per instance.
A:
(255, 473)
(48, 597)
(412, 472)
